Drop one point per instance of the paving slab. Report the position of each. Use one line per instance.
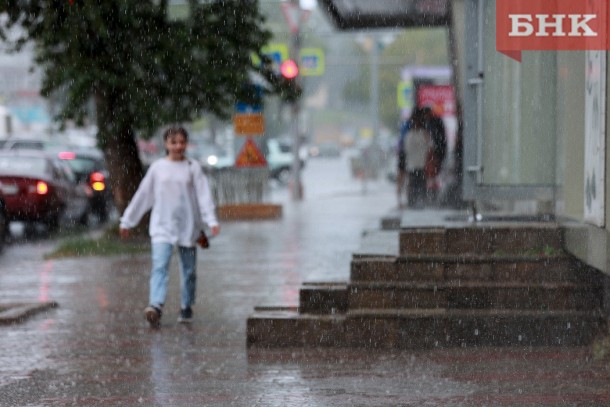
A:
(96, 349)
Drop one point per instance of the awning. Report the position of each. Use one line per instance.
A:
(358, 14)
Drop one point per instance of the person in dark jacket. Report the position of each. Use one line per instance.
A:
(435, 125)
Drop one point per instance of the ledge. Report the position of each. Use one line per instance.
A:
(249, 211)
(13, 313)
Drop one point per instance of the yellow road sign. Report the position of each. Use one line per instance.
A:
(250, 155)
(248, 124)
(312, 61)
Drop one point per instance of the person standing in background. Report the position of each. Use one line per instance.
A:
(401, 168)
(417, 147)
(435, 125)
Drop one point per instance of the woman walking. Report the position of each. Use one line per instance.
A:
(178, 193)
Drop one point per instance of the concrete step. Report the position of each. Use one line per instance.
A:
(455, 327)
(481, 285)
(423, 328)
(482, 239)
(470, 267)
(288, 328)
(323, 298)
(474, 295)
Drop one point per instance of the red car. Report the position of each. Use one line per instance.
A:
(3, 223)
(38, 187)
(88, 166)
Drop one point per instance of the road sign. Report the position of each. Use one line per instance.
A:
(248, 124)
(404, 95)
(250, 155)
(312, 61)
(277, 52)
(294, 15)
(243, 107)
(255, 102)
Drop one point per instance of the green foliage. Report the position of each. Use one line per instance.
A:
(545, 251)
(141, 67)
(106, 244)
(75, 247)
(421, 46)
(134, 60)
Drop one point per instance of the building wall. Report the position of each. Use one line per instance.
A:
(457, 36)
(587, 242)
(570, 134)
(551, 112)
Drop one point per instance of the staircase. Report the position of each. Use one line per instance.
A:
(463, 285)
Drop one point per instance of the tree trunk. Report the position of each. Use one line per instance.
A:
(117, 139)
(124, 167)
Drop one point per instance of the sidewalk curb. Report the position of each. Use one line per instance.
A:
(13, 313)
(249, 211)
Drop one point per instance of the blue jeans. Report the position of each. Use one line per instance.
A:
(159, 275)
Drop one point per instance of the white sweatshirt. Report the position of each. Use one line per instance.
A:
(167, 188)
(417, 145)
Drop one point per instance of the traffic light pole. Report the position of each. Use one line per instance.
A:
(297, 186)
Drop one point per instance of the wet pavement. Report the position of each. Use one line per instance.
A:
(96, 349)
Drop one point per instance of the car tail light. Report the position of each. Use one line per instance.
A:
(98, 181)
(40, 188)
(67, 155)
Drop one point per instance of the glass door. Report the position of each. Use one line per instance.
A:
(509, 116)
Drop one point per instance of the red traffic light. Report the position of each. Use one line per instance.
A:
(289, 69)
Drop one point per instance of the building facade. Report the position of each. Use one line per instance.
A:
(535, 132)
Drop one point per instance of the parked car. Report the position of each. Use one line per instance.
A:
(3, 223)
(14, 143)
(327, 149)
(279, 156)
(89, 167)
(211, 156)
(39, 187)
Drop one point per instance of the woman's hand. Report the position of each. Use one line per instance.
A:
(124, 233)
(215, 230)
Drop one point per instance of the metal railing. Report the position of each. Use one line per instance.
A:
(233, 185)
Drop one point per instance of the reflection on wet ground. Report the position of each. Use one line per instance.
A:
(97, 350)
